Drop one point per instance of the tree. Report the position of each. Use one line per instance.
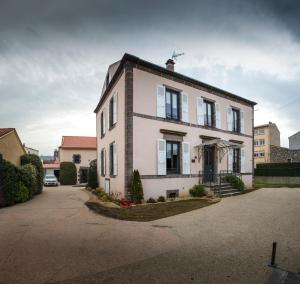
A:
(68, 173)
(92, 175)
(136, 188)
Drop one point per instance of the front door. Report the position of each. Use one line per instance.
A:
(83, 175)
(209, 163)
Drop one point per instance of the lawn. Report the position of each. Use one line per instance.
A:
(150, 212)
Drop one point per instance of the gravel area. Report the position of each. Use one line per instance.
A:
(55, 239)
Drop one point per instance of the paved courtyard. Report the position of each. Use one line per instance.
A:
(55, 238)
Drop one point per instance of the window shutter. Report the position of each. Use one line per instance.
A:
(242, 160)
(161, 157)
(161, 101)
(218, 115)
(230, 159)
(104, 159)
(185, 158)
(115, 108)
(242, 122)
(100, 163)
(107, 118)
(104, 121)
(184, 107)
(115, 160)
(229, 119)
(200, 112)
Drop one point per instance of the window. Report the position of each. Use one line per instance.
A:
(102, 162)
(208, 113)
(236, 166)
(172, 104)
(173, 157)
(259, 154)
(113, 159)
(235, 120)
(113, 111)
(259, 132)
(259, 142)
(76, 159)
(102, 122)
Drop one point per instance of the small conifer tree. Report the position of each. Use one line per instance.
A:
(136, 188)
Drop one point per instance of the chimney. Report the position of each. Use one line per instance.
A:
(170, 65)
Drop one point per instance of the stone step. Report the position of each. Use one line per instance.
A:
(230, 194)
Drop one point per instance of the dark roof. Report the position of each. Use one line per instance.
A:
(295, 134)
(265, 125)
(131, 58)
(4, 131)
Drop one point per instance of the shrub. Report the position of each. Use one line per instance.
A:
(151, 200)
(197, 190)
(10, 179)
(161, 199)
(22, 193)
(136, 188)
(68, 173)
(235, 181)
(92, 175)
(29, 178)
(37, 163)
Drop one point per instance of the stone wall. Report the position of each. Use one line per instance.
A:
(283, 155)
(278, 180)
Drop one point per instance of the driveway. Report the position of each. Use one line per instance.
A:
(55, 238)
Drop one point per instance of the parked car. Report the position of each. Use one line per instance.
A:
(50, 180)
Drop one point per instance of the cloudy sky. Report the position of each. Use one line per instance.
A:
(54, 55)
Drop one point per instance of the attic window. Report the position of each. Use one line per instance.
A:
(107, 80)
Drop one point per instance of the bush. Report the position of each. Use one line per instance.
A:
(10, 179)
(37, 163)
(68, 173)
(92, 175)
(136, 188)
(235, 181)
(29, 178)
(22, 193)
(161, 199)
(197, 190)
(151, 200)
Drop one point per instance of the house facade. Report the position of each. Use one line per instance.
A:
(81, 151)
(294, 141)
(11, 146)
(264, 136)
(175, 130)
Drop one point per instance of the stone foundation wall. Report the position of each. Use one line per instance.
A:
(283, 155)
(278, 180)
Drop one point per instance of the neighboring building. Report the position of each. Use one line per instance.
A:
(294, 141)
(284, 155)
(173, 129)
(79, 150)
(47, 158)
(31, 150)
(264, 136)
(11, 146)
(51, 168)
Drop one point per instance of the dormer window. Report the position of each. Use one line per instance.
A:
(107, 80)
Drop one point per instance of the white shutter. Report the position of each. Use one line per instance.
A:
(242, 160)
(200, 112)
(230, 159)
(185, 158)
(218, 115)
(115, 108)
(115, 159)
(184, 107)
(229, 119)
(161, 101)
(161, 157)
(104, 121)
(242, 122)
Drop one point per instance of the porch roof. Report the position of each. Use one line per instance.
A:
(219, 143)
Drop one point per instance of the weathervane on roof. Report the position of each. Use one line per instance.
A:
(175, 55)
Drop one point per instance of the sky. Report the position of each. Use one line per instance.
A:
(54, 56)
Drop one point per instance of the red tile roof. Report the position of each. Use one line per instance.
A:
(55, 165)
(78, 142)
(4, 131)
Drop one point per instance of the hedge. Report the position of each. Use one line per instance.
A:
(92, 175)
(35, 161)
(136, 188)
(278, 172)
(235, 181)
(68, 173)
(29, 178)
(278, 165)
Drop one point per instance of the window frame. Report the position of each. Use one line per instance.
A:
(236, 123)
(102, 157)
(102, 124)
(74, 158)
(173, 92)
(208, 103)
(173, 170)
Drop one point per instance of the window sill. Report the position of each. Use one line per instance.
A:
(112, 127)
(113, 176)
